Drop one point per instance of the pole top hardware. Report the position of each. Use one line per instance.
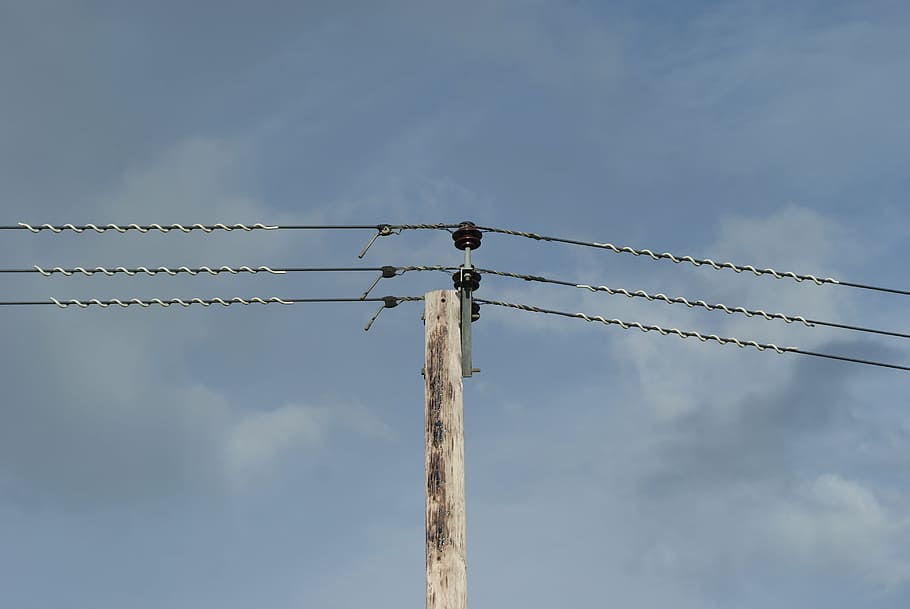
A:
(465, 278)
(467, 236)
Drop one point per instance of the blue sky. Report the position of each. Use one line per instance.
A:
(273, 456)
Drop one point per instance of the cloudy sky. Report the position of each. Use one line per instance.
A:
(273, 456)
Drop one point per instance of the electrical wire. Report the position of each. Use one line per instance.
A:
(201, 270)
(389, 229)
(389, 301)
(382, 230)
(385, 272)
(208, 228)
(696, 303)
(698, 262)
(742, 344)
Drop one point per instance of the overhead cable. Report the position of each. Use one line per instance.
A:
(208, 228)
(202, 270)
(626, 325)
(205, 302)
(385, 272)
(381, 229)
(141, 228)
(695, 261)
(697, 303)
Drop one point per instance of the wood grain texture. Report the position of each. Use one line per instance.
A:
(444, 442)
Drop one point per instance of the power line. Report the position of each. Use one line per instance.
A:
(695, 261)
(208, 228)
(120, 270)
(385, 272)
(696, 303)
(625, 325)
(202, 270)
(382, 230)
(389, 229)
(388, 301)
(142, 228)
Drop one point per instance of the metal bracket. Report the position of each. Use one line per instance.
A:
(467, 280)
(467, 369)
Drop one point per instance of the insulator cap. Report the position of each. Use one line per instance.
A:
(467, 236)
(475, 311)
(466, 278)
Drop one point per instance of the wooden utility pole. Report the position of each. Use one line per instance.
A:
(444, 442)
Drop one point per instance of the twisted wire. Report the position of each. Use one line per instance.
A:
(389, 301)
(668, 256)
(661, 297)
(699, 303)
(205, 302)
(202, 270)
(742, 344)
(383, 229)
(405, 269)
(626, 325)
(166, 228)
(424, 226)
(156, 271)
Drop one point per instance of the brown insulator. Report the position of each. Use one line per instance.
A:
(467, 236)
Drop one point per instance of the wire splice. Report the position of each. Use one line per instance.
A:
(742, 344)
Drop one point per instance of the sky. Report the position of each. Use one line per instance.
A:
(271, 456)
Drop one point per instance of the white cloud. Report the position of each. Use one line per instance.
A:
(792, 238)
(115, 380)
(255, 442)
(834, 522)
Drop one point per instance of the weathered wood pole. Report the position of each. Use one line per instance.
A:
(444, 442)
